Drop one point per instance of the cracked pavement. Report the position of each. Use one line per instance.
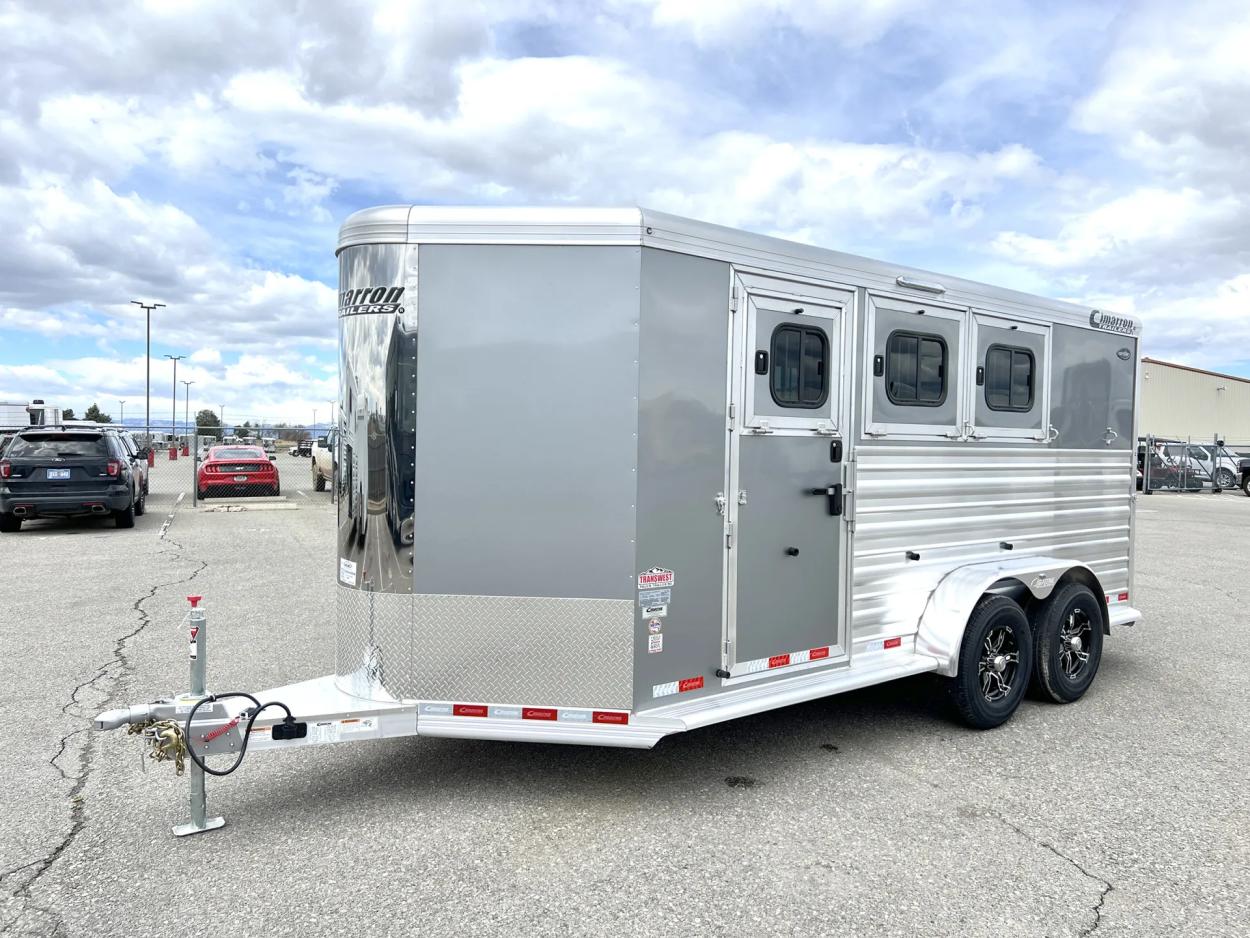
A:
(866, 814)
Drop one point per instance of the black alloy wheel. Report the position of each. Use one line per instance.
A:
(1068, 624)
(995, 663)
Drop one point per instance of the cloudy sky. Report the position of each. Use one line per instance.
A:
(203, 154)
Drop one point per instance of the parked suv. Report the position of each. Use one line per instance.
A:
(68, 472)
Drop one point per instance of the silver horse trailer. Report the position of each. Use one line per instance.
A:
(607, 475)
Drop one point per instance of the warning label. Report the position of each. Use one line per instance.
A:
(655, 596)
(655, 578)
(655, 644)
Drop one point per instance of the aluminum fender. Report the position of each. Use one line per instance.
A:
(950, 604)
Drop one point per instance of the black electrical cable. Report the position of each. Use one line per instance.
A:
(247, 730)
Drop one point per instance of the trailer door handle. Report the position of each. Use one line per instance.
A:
(833, 494)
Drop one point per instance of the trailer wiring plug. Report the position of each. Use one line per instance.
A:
(289, 728)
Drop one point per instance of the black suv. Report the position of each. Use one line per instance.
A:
(70, 471)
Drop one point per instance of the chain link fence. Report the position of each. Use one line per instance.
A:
(1187, 465)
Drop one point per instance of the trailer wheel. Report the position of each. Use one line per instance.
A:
(1069, 644)
(1245, 483)
(995, 663)
(1225, 479)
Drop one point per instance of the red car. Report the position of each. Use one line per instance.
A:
(237, 470)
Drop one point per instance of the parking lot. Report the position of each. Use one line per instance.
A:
(867, 814)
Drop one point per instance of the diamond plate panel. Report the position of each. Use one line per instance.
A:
(374, 642)
(522, 649)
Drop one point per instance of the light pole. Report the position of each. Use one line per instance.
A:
(312, 431)
(122, 421)
(173, 412)
(147, 387)
(186, 413)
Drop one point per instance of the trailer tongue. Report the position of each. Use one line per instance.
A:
(603, 476)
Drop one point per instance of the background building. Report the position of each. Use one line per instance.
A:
(1178, 401)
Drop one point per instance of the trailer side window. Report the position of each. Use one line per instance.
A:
(915, 368)
(800, 366)
(1008, 378)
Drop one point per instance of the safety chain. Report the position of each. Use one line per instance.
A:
(167, 739)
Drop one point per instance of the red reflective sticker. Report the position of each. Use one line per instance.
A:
(609, 716)
(690, 683)
(1123, 597)
(537, 713)
(468, 710)
(892, 642)
(777, 661)
(817, 653)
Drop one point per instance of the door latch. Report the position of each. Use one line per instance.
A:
(833, 496)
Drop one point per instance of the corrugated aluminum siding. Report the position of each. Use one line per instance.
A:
(1180, 403)
(956, 504)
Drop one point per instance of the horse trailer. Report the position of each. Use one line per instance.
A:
(607, 475)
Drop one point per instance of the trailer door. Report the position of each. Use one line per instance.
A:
(786, 533)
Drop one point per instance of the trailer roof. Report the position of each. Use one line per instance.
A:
(462, 224)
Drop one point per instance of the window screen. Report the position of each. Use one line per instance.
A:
(799, 376)
(915, 368)
(1008, 378)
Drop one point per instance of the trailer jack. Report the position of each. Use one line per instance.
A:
(157, 722)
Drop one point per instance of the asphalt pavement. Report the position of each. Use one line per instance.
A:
(872, 813)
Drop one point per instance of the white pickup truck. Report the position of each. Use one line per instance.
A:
(324, 460)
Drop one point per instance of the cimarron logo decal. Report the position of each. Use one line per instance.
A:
(371, 300)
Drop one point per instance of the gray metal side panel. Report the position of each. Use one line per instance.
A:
(954, 504)
(1092, 387)
(681, 463)
(526, 416)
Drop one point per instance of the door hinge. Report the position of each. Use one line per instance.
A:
(733, 300)
(733, 410)
(729, 535)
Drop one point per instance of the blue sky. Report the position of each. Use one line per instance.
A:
(203, 155)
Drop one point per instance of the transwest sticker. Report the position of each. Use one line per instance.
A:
(655, 578)
(655, 611)
(347, 572)
(654, 597)
(655, 644)
(654, 626)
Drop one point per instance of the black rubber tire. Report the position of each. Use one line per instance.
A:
(126, 517)
(141, 504)
(146, 484)
(1245, 484)
(10, 523)
(202, 496)
(277, 489)
(972, 705)
(319, 481)
(1050, 681)
(1225, 479)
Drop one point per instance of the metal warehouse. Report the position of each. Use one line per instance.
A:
(1181, 402)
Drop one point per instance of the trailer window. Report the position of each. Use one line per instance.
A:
(800, 366)
(1008, 378)
(915, 368)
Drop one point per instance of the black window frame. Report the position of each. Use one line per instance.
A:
(1014, 350)
(803, 330)
(919, 337)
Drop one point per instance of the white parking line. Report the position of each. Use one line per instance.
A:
(305, 494)
(169, 518)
